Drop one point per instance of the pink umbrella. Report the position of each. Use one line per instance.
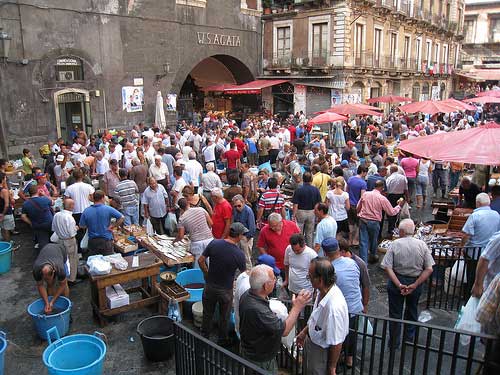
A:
(390, 99)
(428, 106)
(354, 109)
(493, 93)
(459, 105)
(476, 145)
(483, 100)
(326, 118)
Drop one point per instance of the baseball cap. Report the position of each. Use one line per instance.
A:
(351, 143)
(330, 245)
(238, 228)
(60, 158)
(344, 163)
(39, 175)
(269, 260)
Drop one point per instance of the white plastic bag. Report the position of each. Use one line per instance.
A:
(98, 265)
(118, 261)
(405, 212)
(455, 277)
(171, 222)
(84, 243)
(361, 326)
(149, 228)
(281, 312)
(54, 238)
(467, 320)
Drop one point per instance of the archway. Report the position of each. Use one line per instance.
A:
(211, 71)
(72, 109)
(356, 94)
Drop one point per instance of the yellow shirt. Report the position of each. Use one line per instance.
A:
(320, 180)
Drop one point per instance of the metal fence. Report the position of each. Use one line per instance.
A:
(196, 355)
(432, 350)
(452, 278)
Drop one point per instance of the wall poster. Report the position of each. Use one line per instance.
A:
(133, 98)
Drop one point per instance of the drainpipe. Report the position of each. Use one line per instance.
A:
(105, 111)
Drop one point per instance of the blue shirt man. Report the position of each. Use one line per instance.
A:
(243, 214)
(372, 179)
(97, 218)
(356, 186)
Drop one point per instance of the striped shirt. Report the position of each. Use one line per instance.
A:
(128, 193)
(268, 201)
(194, 222)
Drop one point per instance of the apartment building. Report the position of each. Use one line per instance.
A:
(349, 51)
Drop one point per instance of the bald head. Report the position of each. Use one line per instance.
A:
(69, 204)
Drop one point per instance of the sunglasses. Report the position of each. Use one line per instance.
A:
(238, 205)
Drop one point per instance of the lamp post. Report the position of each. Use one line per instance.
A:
(4, 45)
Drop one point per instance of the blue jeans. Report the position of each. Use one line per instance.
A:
(422, 182)
(368, 237)
(131, 215)
(396, 303)
(454, 178)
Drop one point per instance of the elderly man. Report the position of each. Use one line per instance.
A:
(397, 188)
(127, 193)
(408, 264)
(101, 165)
(480, 227)
(155, 201)
(139, 174)
(275, 237)
(370, 208)
(64, 226)
(225, 258)
(223, 213)
(110, 179)
(327, 226)
(97, 219)
(51, 268)
(195, 170)
(159, 171)
(209, 181)
(260, 328)
(328, 325)
(37, 213)
(297, 258)
(304, 200)
(243, 214)
(270, 201)
(348, 277)
(467, 193)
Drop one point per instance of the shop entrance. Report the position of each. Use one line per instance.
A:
(72, 113)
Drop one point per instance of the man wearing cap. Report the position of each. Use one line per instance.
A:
(297, 259)
(348, 277)
(224, 257)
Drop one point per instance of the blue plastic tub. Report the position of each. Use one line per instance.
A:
(5, 257)
(76, 354)
(194, 276)
(3, 346)
(44, 322)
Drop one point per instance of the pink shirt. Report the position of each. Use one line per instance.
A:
(409, 165)
(372, 203)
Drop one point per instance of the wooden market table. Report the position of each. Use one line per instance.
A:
(189, 258)
(147, 271)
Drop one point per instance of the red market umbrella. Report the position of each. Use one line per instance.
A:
(389, 99)
(493, 93)
(428, 106)
(476, 145)
(354, 109)
(326, 118)
(459, 105)
(483, 100)
(219, 88)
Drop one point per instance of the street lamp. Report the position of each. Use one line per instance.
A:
(4, 45)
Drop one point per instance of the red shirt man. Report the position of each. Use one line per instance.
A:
(223, 213)
(240, 145)
(292, 131)
(275, 237)
(232, 156)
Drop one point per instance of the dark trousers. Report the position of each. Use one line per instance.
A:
(263, 159)
(42, 234)
(213, 295)
(100, 246)
(273, 155)
(350, 340)
(391, 220)
(80, 232)
(157, 223)
(439, 180)
(396, 304)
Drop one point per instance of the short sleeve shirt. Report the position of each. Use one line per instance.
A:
(224, 259)
(222, 212)
(355, 184)
(53, 254)
(408, 256)
(298, 268)
(274, 243)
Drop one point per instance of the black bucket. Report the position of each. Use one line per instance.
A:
(157, 337)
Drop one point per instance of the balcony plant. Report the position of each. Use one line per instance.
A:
(266, 5)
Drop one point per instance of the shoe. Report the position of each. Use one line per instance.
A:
(15, 232)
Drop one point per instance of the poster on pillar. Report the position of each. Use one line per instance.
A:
(435, 93)
(336, 97)
(299, 98)
(133, 98)
(171, 102)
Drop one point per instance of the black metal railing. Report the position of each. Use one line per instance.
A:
(196, 355)
(452, 278)
(431, 350)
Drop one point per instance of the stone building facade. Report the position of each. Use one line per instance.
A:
(349, 51)
(70, 61)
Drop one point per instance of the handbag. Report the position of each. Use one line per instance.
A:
(267, 212)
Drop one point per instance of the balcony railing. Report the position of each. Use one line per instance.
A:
(305, 60)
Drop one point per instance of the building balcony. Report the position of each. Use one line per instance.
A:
(303, 61)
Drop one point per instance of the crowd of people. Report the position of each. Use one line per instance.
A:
(271, 198)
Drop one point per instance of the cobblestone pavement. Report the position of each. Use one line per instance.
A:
(124, 351)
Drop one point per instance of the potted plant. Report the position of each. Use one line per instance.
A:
(266, 5)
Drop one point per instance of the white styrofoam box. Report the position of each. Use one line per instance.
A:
(116, 296)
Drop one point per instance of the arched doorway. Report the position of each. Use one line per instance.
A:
(72, 109)
(375, 90)
(356, 94)
(415, 92)
(212, 71)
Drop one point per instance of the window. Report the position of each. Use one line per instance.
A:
(283, 45)
(470, 30)
(192, 3)
(418, 53)
(428, 52)
(252, 4)
(431, 6)
(445, 56)
(358, 43)
(494, 30)
(69, 69)
(406, 53)
(436, 53)
(320, 40)
(393, 45)
(377, 46)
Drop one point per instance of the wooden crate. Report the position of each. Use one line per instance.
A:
(458, 218)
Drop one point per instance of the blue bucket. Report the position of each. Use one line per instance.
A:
(44, 322)
(3, 346)
(194, 276)
(5, 257)
(76, 354)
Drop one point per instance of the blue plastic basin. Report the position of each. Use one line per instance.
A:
(43, 322)
(5, 257)
(3, 346)
(194, 276)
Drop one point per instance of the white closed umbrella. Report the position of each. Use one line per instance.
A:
(160, 112)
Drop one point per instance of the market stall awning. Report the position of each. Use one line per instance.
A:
(459, 105)
(493, 93)
(219, 88)
(476, 145)
(483, 100)
(429, 107)
(254, 87)
(390, 99)
(354, 109)
(481, 74)
(326, 117)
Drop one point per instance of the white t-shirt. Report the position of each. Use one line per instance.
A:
(185, 152)
(178, 186)
(80, 192)
(159, 173)
(423, 168)
(209, 152)
(101, 166)
(128, 156)
(195, 170)
(242, 285)
(337, 205)
(298, 268)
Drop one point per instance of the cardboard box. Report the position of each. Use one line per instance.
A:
(116, 296)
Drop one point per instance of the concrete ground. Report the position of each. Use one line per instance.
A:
(124, 351)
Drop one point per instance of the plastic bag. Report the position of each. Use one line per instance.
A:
(118, 261)
(455, 277)
(361, 326)
(149, 228)
(405, 212)
(98, 265)
(267, 166)
(467, 320)
(54, 238)
(171, 222)
(281, 312)
(173, 311)
(84, 243)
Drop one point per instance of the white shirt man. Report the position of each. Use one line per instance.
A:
(80, 192)
(195, 170)
(158, 172)
(298, 267)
